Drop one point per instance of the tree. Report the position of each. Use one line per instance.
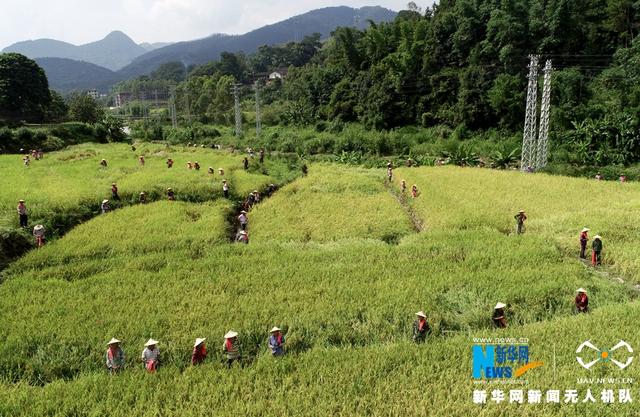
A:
(57, 110)
(24, 89)
(83, 108)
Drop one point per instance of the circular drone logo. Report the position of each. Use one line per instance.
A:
(605, 355)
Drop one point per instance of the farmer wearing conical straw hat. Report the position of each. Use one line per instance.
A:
(520, 218)
(225, 188)
(143, 198)
(584, 238)
(420, 327)
(596, 245)
(114, 192)
(22, 213)
(105, 206)
(170, 194)
(231, 347)
(38, 234)
(151, 355)
(199, 353)
(582, 301)
(114, 356)
(243, 220)
(498, 316)
(276, 342)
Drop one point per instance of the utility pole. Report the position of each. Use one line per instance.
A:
(238, 113)
(529, 149)
(258, 116)
(543, 138)
(172, 108)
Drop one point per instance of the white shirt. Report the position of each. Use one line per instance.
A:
(149, 355)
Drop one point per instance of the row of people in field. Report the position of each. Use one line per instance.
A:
(231, 348)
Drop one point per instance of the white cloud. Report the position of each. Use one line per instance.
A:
(82, 21)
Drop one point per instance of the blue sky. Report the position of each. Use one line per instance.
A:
(82, 21)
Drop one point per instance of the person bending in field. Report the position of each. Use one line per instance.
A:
(271, 189)
(196, 166)
(276, 342)
(151, 356)
(26, 160)
(403, 186)
(389, 171)
(103, 163)
(520, 218)
(596, 246)
(221, 172)
(243, 237)
(245, 163)
(141, 160)
(114, 192)
(582, 301)
(498, 316)
(104, 207)
(170, 194)
(256, 196)
(599, 177)
(414, 191)
(199, 353)
(189, 165)
(623, 178)
(22, 213)
(142, 198)
(231, 347)
(584, 238)
(169, 163)
(210, 171)
(421, 328)
(38, 234)
(114, 356)
(243, 220)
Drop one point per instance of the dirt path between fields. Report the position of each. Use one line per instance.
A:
(605, 272)
(416, 221)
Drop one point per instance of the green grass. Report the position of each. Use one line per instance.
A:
(342, 290)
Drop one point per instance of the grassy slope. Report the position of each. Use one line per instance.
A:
(346, 306)
(63, 181)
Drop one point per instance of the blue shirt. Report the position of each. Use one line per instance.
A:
(276, 349)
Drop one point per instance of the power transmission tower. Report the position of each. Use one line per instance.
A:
(172, 108)
(543, 138)
(530, 132)
(258, 116)
(238, 113)
(188, 105)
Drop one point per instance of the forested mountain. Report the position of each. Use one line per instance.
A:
(67, 75)
(201, 51)
(113, 52)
